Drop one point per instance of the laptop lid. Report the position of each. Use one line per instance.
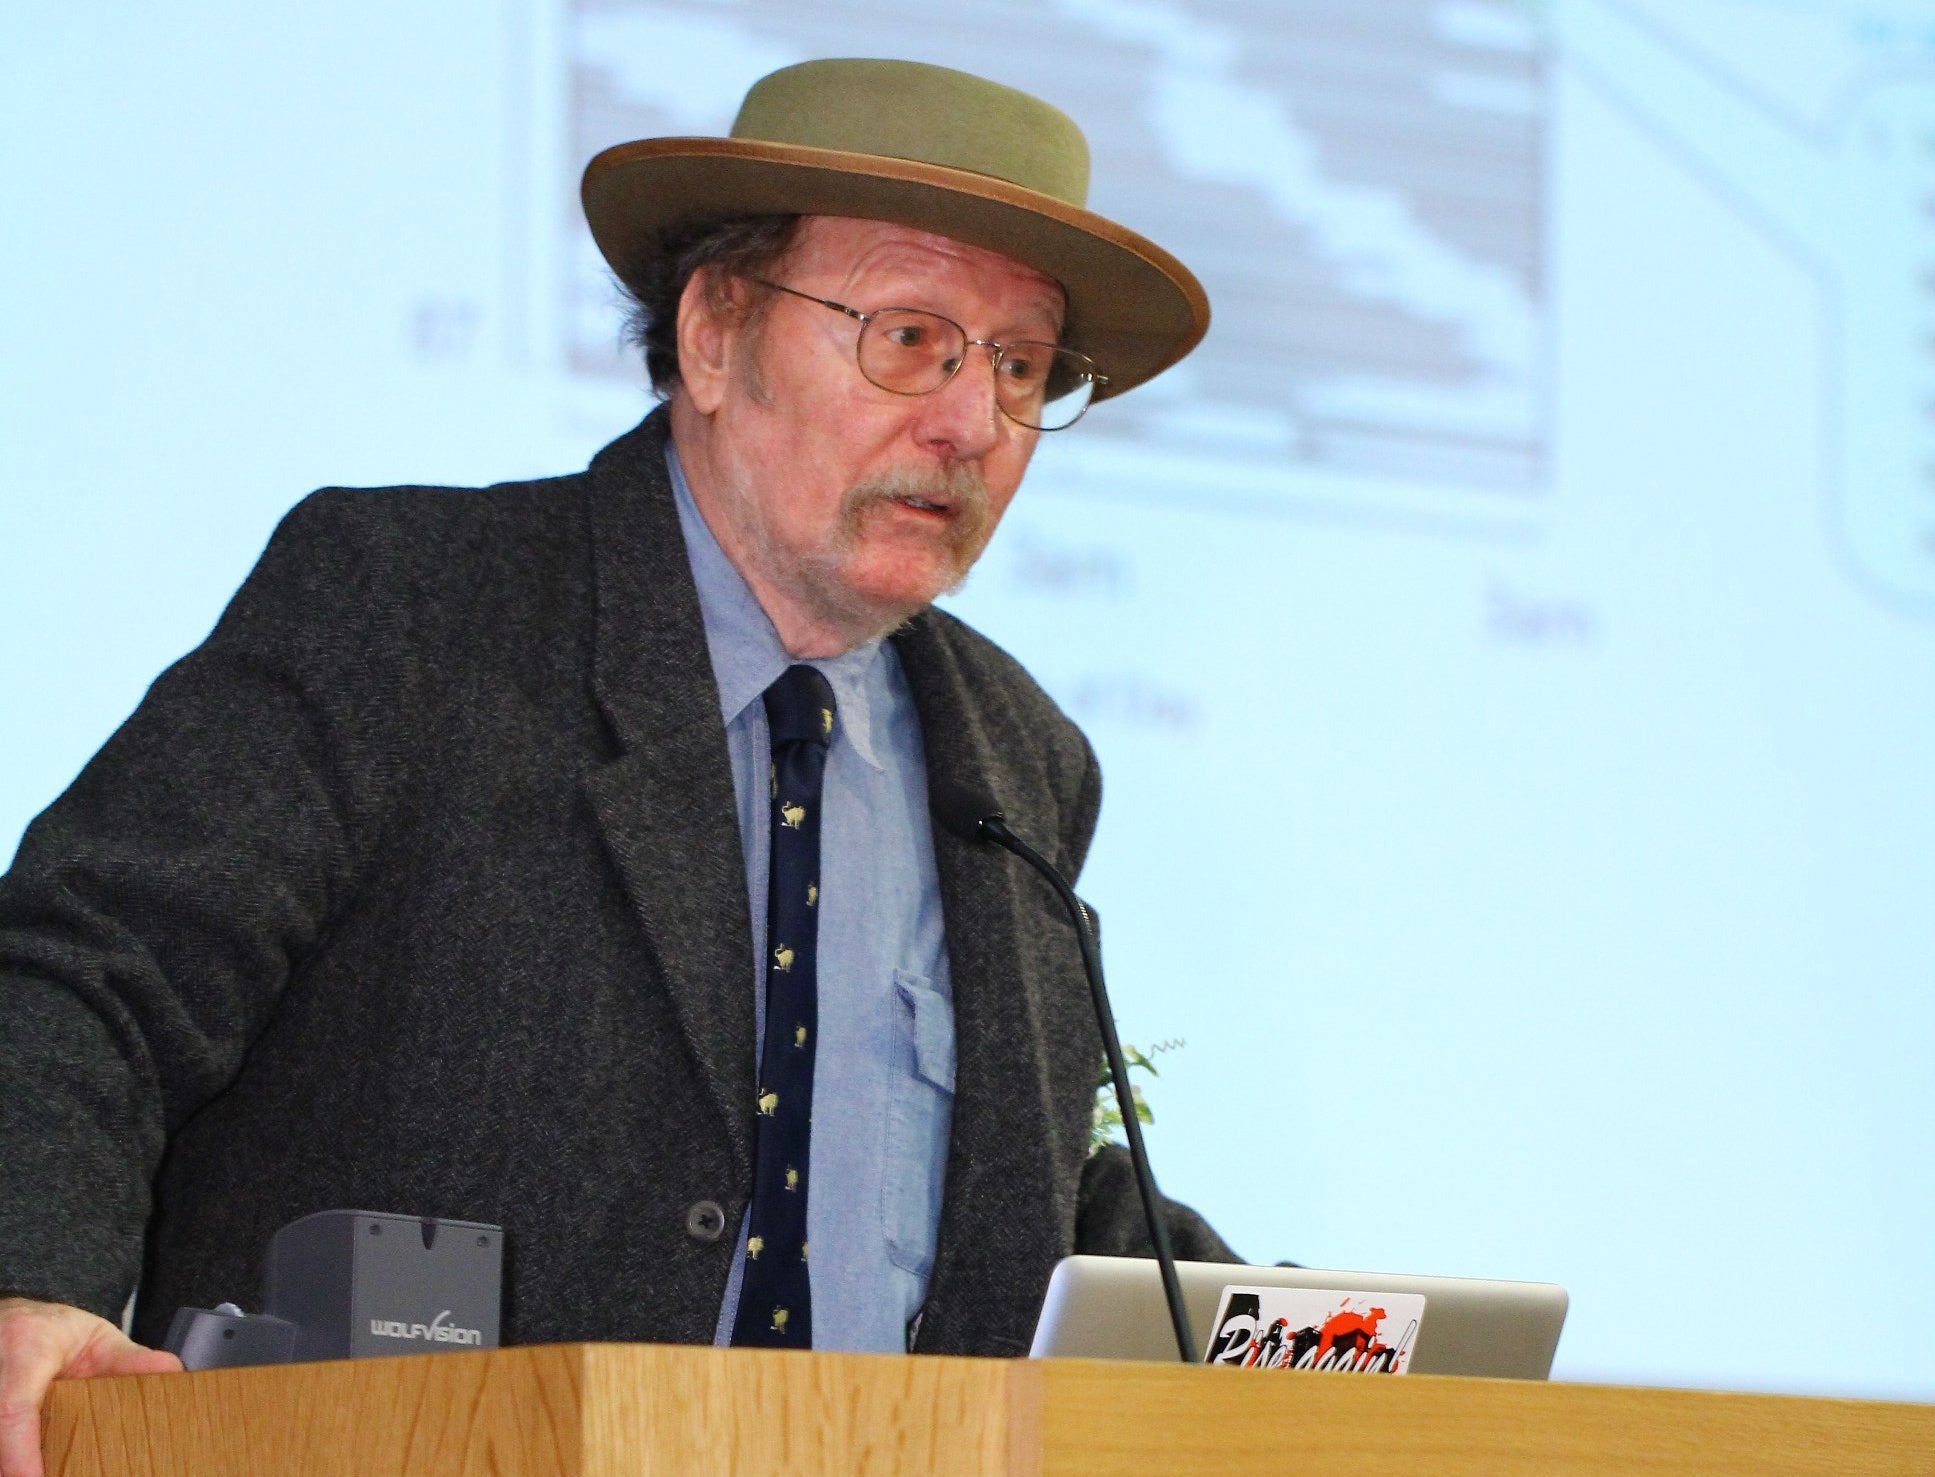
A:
(1101, 1307)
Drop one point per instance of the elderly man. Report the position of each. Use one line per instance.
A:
(557, 854)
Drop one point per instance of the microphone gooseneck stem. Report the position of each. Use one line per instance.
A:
(996, 829)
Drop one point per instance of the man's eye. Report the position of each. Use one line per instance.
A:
(908, 335)
(1024, 367)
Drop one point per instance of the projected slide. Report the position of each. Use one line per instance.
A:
(1361, 189)
(1830, 147)
(1509, 641)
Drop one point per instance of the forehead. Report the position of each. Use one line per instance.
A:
(856, 254)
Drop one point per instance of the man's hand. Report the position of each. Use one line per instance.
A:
(44, 1342)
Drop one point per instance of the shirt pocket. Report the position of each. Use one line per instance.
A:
(920, 1108)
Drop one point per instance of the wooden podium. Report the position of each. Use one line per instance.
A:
(602, 1410)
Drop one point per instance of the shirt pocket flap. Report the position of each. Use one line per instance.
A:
(933, 1021)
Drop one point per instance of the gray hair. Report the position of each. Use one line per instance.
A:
(747, 246)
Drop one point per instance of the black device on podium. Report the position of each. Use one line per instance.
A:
(346, 1284)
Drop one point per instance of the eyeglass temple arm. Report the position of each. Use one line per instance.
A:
(825, 302)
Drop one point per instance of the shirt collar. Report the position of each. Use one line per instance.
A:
(747, 655)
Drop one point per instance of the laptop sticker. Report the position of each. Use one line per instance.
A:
(1314, 1328)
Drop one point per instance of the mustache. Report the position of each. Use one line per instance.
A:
(957, 486)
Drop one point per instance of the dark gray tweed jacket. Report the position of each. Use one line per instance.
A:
(417, 887)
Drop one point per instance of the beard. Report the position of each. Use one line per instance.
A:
(821, 577)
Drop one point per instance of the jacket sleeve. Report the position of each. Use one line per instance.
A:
(151, 916)
(1109, 1220)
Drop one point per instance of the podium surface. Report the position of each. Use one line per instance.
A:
(600, 1410)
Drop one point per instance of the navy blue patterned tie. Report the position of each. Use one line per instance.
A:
(775, 1301)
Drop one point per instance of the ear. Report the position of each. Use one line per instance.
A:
(709, 338)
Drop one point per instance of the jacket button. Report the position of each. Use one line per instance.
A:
(705, 1220)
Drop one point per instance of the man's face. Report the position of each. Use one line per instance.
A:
(846, 503)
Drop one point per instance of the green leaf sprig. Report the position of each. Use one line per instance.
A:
(1107, 1118)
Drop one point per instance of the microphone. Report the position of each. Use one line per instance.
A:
(972, 814)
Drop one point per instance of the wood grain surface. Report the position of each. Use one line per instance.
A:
(504, 1411)
(602, 1410)
(1153, 1420)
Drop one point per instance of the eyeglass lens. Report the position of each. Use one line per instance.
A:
(911, 352)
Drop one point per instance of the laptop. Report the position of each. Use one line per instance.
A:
(1104, 1307)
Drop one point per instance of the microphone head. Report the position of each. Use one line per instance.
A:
(961, 806)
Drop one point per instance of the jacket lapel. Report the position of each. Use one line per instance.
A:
(1001, 1177)
(664, 804)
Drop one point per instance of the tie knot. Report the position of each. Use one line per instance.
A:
(799, 707)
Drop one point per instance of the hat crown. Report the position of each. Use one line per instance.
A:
(929, 114)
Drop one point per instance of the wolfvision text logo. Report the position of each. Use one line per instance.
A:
(436, 1331)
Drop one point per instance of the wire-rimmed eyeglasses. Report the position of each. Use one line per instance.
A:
(910, 351)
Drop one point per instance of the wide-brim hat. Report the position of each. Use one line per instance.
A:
(923, 146)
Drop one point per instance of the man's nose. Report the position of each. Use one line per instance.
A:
(961, 419)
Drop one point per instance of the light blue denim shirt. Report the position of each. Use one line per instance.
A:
(883, 1073)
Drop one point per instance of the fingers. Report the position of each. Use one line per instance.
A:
(30, 1357)
(109, 1351)
(43, 1342)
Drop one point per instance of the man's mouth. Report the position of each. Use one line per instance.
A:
(945, 507)
(923, 505)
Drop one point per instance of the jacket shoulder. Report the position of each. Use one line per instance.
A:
(429, 561)
(435, 525)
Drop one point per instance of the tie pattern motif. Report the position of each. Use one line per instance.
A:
(775, 1296)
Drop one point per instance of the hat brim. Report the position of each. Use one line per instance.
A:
(1132, 307)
